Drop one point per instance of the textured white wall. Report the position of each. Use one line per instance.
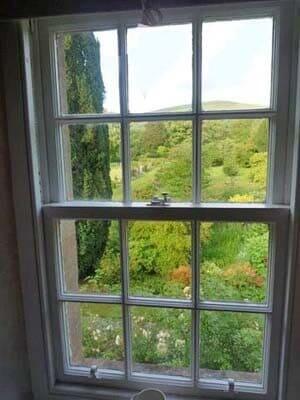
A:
(14, 369)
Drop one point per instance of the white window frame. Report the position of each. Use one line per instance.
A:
(54, 121)
(48, 199)
(276, 217)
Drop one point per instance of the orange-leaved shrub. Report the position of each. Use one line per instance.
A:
(182, 274)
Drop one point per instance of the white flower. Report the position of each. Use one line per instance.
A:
(118, 340)
(98, 331)
(145, 333)
(162, 335)
(187, 292)
(109, 327)
(162, 347)
(179, 343)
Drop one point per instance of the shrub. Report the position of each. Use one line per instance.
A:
(231, 341)
(258, 169)
(230, 168)
(158, 247)
(256, 247)
(91, 239)
(242, 274)
(182, 274)
(242, 198)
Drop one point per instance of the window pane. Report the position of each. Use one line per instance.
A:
(160, 259)
(161, 159)
(234, 262)
(95, 335)
(235, 160)
(90, 256)
(88, 72)
(236, 60)
(231, 346)
(160, 68)
(161, 341)
(92, 162)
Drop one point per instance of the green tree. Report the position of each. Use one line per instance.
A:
(230, 168)
(90, 156)
(258, 169)
(175, 174)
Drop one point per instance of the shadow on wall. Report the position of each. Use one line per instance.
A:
(14, 368)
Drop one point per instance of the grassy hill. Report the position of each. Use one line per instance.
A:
(216, 105)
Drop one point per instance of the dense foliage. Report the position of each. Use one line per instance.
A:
(234, 256)
(90, 156)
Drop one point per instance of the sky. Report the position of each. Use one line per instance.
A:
(236, 64)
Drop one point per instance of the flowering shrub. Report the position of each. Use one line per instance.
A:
(161, 338)
(102, 332)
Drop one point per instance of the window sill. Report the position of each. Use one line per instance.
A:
(61, 391)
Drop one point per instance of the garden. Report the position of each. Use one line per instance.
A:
(233, 259)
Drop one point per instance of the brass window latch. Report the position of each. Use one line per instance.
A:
(160, 201)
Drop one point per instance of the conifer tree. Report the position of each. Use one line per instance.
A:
(90, 158)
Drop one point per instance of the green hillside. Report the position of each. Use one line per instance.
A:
(216, 105)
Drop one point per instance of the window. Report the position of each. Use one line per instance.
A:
(186, 295)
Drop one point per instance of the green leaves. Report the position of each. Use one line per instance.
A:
(90, 152)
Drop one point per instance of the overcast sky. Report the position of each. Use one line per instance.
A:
(236, 64)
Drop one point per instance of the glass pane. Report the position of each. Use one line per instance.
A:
(161, 341)
(236, 64)
(90, 256)
(232, 346)
(88, 72)
(235, 160)
(234, 262)
(160, 68)
(95, 335)
(160, 259)
(92, 162)
(161, 159)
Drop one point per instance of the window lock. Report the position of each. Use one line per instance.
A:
(94, 372)
(231, 385)
(160, 201)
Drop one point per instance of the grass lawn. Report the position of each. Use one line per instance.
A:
(101, 310)
(222, 187)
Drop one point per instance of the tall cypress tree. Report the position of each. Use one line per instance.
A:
(89, 143)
